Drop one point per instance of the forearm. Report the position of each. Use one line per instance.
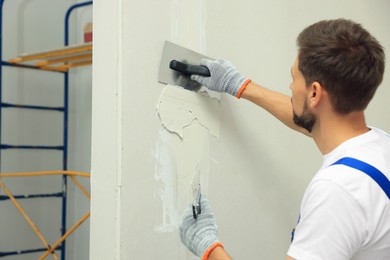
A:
(219, 254)
(277, 104)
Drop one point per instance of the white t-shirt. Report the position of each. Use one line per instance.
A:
(344, 213)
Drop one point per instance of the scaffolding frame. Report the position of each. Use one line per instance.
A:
(49, 249)
(59, 61)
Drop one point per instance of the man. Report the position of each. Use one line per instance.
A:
(345, 211)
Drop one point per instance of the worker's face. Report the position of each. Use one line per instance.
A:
(302, 115)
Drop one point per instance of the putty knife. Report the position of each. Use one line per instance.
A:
(196, 192)
(178, 64)
(196, 206)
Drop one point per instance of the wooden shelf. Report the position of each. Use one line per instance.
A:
(58, 59)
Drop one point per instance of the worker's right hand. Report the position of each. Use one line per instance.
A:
(224, 77)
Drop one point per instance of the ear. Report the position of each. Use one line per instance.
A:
(315, 94)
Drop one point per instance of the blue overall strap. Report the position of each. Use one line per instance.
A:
(368, 169)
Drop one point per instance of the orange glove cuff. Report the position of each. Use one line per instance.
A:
(210, 249)
(243, 87)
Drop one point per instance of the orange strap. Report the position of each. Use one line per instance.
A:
(210, 249)
(243, 87)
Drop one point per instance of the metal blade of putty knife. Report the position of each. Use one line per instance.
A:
(178, 64)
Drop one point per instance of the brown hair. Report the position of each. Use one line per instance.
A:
(345, 59)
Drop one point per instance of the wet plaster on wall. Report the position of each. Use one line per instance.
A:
(188, 119)
(178, 108)
(188, 23)
(182, 153)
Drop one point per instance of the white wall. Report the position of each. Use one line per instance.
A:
(255, 172)
(30, 26)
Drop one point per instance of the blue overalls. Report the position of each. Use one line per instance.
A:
(368, 169)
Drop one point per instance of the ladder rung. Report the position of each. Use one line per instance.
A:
(34, 196)
(37, 147)
(26, 251)
(9, 105)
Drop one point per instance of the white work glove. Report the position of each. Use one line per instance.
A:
(200, 235)
(224, 77)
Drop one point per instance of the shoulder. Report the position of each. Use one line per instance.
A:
(380, 132)
(335, 188)
(338, 177)
(343, 178)
(331, 188)
(343, 181)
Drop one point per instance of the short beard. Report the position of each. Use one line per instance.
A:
(307, 120)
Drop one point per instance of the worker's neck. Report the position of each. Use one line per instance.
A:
(331, 131)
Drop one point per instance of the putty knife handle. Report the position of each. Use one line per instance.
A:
(189, 69)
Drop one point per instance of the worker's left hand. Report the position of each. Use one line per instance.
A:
(199, 235)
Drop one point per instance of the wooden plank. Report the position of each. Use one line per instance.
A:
(53, 53)
(44, 173)
(75, 64)
(64, 59)
(52, 68)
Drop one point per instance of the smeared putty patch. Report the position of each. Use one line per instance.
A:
(181, 164)
(178, 108)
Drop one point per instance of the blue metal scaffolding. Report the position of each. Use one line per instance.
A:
(63, 147)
